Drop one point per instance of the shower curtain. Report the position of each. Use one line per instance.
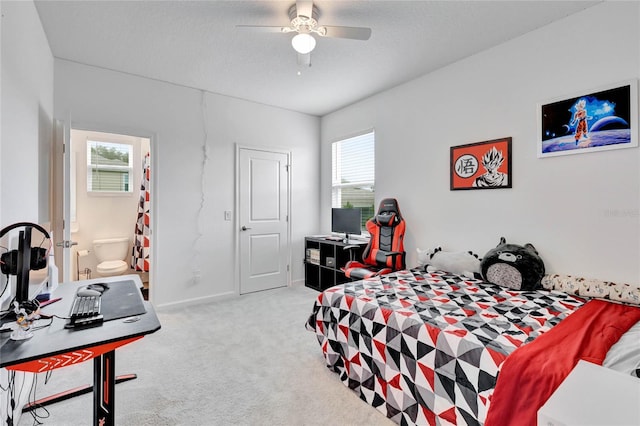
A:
(140, 253)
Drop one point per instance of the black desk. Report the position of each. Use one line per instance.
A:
(54, 346)
(325, 258)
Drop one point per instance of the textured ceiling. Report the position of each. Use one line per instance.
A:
(197, 44)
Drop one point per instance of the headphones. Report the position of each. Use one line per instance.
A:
(9, 260)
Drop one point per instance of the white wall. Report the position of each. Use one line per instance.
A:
(580, 211)
(27, 111)
(192, 190)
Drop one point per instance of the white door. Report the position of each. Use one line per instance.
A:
(263, 188)
(60, 193)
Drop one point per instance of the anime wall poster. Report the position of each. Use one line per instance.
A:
(602, 119)
(481, 165)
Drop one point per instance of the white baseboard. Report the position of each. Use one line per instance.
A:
(297, 283)
(210, 299)
(197, 301)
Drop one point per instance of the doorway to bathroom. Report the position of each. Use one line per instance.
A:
(110, 194)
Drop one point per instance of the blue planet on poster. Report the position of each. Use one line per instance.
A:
(608, 123)
(596, 139)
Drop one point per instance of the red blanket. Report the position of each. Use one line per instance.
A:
(531, 373)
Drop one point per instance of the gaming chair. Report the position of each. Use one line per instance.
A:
(385, 251)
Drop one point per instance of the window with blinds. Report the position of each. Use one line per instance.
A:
(109, 167)
(353, 174)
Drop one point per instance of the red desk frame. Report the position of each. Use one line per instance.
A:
(104, 378)
(55, 347)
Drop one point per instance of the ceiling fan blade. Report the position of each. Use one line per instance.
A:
(263, 28)
(355, 33)
(304, 60)
(304, 8)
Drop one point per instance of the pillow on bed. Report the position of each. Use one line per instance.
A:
(624, 355)
(513, 266)
(589, 287)
(461, 263)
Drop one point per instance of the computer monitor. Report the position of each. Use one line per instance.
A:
(346, 221)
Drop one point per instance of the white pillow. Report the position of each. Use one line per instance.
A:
(624, 355)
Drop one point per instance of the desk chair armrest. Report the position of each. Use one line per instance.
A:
(352, 250)
(395, 255)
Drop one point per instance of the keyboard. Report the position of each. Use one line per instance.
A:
(85, 311)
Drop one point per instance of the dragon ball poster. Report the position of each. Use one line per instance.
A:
(481, 165)
(596, 120)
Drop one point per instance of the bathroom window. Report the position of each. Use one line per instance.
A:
(109, 167)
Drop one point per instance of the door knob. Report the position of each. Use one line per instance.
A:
(66, 244)
(244, 228)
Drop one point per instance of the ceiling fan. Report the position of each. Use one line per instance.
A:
(304, 21)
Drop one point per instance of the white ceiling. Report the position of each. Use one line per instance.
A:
(196, 43)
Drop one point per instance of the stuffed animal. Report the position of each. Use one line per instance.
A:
(513, 266)
(462, 263)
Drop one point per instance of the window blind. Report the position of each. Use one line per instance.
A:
(353, 173)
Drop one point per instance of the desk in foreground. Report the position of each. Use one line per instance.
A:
(55, 346)
(593, 395)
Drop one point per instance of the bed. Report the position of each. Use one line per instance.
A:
(428, 347)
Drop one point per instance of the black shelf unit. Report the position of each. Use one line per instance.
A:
(324, 259)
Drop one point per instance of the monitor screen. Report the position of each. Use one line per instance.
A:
(346, 221)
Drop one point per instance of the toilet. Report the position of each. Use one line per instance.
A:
(110, 254)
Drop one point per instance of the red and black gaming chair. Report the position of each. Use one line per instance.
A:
(385, 251)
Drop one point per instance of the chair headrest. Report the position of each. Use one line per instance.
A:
(385, 218)
(388, 212)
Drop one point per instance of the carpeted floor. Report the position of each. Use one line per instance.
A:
(244, 361)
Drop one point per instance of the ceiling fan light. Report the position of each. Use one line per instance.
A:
(303, 43)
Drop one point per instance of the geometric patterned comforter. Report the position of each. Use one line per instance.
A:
(426, 347)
